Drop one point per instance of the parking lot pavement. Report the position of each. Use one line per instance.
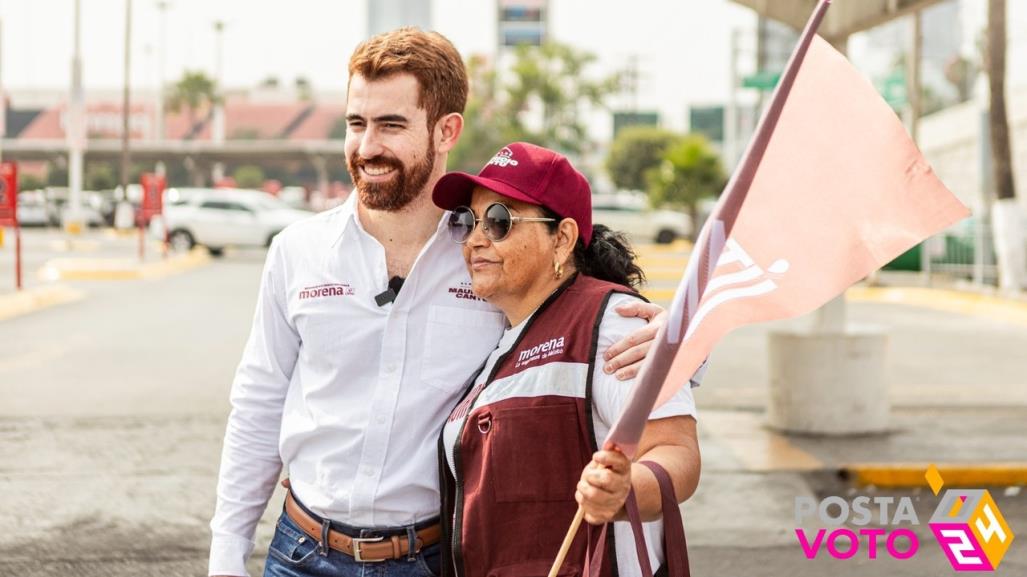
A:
(113, 410)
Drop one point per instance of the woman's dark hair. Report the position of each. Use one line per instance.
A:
(608, 257)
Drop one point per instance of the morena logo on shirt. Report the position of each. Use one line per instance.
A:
(550, 348)
(326, 290)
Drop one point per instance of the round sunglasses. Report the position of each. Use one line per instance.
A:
(496, 223)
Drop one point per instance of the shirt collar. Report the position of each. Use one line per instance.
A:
(347, 214)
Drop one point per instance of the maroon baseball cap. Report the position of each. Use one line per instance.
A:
(528, 173)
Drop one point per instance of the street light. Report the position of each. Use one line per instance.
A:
(76, 134)
(218, 128)
(162, 7)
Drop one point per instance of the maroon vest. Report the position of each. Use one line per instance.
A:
(527, 433)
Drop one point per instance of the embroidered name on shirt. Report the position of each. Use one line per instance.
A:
(326, 290)
(464, 292)
(548, 349)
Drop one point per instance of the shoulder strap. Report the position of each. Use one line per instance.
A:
(674, 546)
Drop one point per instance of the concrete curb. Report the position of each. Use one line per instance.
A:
(906, 475)
(963, 302)
(108, 269)
(36, 299)
(967, 303)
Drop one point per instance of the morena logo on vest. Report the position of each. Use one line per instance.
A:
(548, 349)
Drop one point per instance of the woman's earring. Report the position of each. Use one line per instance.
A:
(558, 268)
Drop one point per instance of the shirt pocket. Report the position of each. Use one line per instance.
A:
(457, 341)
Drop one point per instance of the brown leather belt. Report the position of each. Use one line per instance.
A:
(367, 549)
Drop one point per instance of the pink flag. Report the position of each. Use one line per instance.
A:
(833, 188)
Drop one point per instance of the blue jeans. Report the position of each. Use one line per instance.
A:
(293, 554)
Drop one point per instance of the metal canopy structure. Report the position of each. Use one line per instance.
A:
(845, 18)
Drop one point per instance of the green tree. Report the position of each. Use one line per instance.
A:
(635, 151)
(554, 76)
(248, 176)
(56, 175)
(30, 182)
(549, 81)
(690, 172)
(195, 90)
(487, 125)
(100, 177)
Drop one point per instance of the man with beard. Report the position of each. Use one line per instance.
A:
(365, 335)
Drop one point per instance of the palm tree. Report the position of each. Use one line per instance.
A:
(195, 90)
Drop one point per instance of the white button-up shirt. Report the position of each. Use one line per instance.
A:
(349, 396)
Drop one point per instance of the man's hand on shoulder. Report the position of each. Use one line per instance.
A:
(626, 355)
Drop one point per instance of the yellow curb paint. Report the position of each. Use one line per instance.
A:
(896, 475)
(120, 269)
(659, 295)
(36, 299)
(968, 303)
(676, 246)
(757, 448)
(120, 232)
(74, 245)
(972, 304)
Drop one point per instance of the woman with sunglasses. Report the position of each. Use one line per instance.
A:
(521, 450)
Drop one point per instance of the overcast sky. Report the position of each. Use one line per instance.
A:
(682, 46)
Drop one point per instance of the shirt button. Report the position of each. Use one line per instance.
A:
(368, 471)
(390, 368)
(380, 419)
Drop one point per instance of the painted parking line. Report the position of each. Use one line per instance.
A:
(961, 302)
(110, 269)
(755, 447)
(36, 299)
(897, 475)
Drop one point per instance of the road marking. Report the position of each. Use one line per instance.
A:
(36, 299)
(894, 475)
(755, 446)
(107, 269)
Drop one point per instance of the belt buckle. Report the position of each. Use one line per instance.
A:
(356, 548)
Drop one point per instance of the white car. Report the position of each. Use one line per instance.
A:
(219, 218)
(629, 212)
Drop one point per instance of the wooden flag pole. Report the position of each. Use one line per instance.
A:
(567, 540)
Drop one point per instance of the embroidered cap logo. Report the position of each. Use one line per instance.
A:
(503, 158)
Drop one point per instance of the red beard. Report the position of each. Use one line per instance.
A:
(398, 192)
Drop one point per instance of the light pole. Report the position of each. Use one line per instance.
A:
(73, 219)
(218, 128)
(126, 98)
(162, 6)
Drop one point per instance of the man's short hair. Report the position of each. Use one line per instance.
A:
(428, 56)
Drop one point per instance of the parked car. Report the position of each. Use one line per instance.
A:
(58, 207)
(32, 208)
(629, 212)
(219, 218)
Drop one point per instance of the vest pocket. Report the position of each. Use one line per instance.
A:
(535, 454)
